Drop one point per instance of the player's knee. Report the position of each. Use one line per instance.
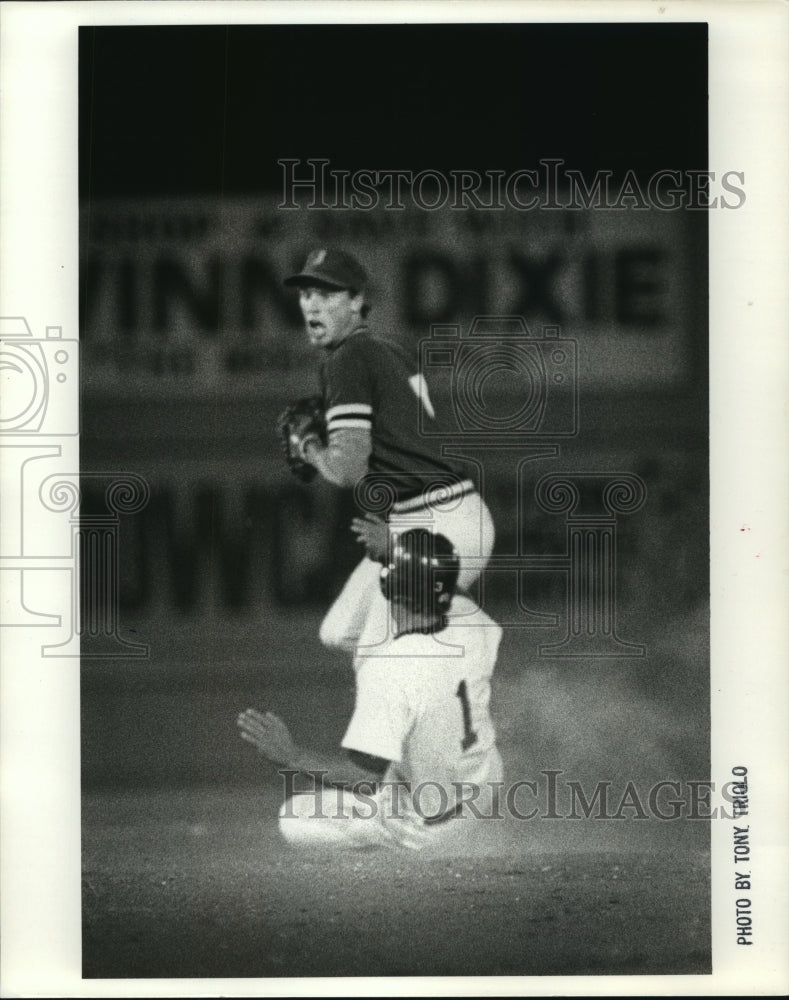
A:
(467, 577)
(330, 633)
(469, 574)
(336, 632)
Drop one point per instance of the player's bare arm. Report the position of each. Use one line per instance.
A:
(344, 460)
(272, 738)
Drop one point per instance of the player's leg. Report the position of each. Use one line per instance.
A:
(377, 629)
(339, 819)
(470, 529)
(359, 620)
(345, 619)
(326, 819)
(343, 820)
(478, 822)
(466, 522)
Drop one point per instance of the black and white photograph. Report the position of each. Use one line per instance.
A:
(384, 458)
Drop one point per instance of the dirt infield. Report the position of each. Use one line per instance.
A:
(197, 883)
(185, 874)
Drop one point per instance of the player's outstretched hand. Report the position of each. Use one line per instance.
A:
(372, 532)
(269, 734)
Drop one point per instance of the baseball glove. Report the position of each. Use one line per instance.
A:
(301, 420)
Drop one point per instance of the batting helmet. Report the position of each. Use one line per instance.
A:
(422, 571)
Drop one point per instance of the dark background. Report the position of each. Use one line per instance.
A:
(207, 110)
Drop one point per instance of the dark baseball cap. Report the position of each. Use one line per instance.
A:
(331, 268)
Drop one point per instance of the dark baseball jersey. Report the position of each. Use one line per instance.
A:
(369, 381)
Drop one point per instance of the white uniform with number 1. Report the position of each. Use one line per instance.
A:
(423, 704)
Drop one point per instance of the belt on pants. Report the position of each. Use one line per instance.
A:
(434, 497)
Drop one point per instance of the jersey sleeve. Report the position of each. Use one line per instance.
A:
(381, 717)
(348, 388)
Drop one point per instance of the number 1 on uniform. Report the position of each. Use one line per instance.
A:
(469, 736)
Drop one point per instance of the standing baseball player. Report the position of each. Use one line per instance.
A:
(422, 760)
(372, 394)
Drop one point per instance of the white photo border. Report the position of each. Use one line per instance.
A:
(749, 370)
